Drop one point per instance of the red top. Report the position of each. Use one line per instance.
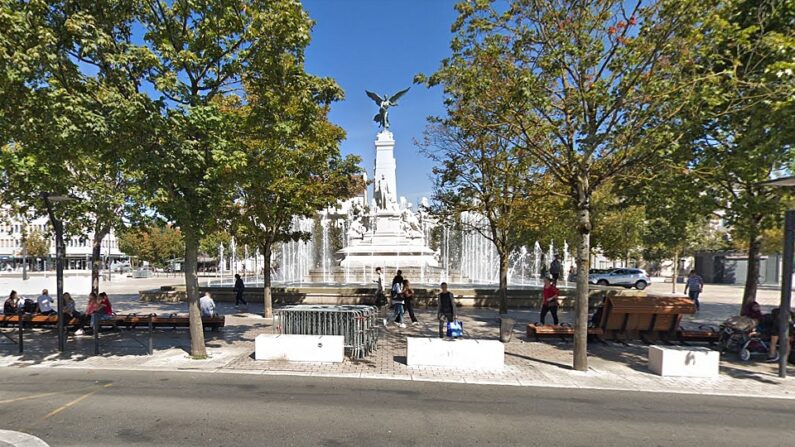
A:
(549, 292)
(108, 308)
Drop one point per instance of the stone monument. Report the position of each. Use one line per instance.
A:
(395, 237)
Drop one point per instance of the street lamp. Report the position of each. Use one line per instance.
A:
(60, 255)
(786, 278)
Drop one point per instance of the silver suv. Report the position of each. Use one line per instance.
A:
(626, 277)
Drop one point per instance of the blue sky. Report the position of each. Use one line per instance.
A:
(379, 45)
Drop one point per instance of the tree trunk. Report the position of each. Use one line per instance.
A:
(197, 348)
(583, 266)
(675, 269)
(96, 254)
(752, 279)
(503, 290)
(266, 280)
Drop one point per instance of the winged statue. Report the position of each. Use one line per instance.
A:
(384, 103)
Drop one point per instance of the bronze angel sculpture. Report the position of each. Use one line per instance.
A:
(383, 106)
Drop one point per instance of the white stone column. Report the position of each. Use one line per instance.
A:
(385, 160)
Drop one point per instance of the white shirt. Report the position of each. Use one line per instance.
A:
(207, 306)
(380, 281)
(45, 303)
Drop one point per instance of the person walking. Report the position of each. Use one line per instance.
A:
(380, 297)
(239, 288)
(408, 301)
(398, 279)
(554, 269)
(397, 301)
(445, 312)
(550, 296)
(693, 287)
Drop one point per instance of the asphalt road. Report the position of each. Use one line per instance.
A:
(114, 408)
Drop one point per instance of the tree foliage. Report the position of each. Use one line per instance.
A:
(740, 127)
(293, 165)
(589, 88)
(156, 244)
(70, 111)
(37, 245)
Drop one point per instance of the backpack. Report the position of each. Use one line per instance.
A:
(29, 307)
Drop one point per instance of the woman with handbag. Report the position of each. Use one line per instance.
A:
(550, 295)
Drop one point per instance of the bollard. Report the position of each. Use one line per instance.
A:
(506, 329)
(151, 351)
(20, 334)
(96, 335)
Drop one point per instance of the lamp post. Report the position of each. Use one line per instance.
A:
(60, 255)
(786, 277)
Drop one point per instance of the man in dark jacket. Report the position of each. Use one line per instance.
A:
(239, 287)
(446, 310)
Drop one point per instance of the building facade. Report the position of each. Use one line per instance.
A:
(15, 228)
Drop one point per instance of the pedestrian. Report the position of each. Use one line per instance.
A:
(445, 313)
(408, 301)
(554, 269)
(239, 288)
(380, 297)
(11, 304)
(772, 330)
(44, 302)
(693, 287)
(572, 274)
(207, 305)
(549, 304)
(398, 279)
(91, 309)
(397, 301)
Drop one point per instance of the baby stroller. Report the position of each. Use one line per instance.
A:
(740, 335)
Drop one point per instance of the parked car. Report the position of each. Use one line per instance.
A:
(626, 277)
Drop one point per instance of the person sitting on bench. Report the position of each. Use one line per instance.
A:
(550, 301)
(207, 305)
(11, 305)
(44, 302)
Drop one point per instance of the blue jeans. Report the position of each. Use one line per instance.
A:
(398, 317)
(693, 294)
(101, 317)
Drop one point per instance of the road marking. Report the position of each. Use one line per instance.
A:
(74, 402)
(36, 396)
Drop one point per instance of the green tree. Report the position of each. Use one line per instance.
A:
(741, 127)
(69, 126)
(592, 86)
(37, 245)
(292, 157)
(203, 51)
(156, 244)
(483, 184)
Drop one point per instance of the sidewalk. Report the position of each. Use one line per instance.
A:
(546, 364)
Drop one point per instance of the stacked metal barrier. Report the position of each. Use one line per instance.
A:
(358, 324)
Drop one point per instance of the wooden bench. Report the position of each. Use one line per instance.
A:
(538, 331)
(655, 315)
(631, 317)
(131, 321)
(701, 335)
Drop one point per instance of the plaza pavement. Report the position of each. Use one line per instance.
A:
(614, 366)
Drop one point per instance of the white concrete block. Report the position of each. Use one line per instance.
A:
(460, 353)
(684, 361)
(300, 348)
